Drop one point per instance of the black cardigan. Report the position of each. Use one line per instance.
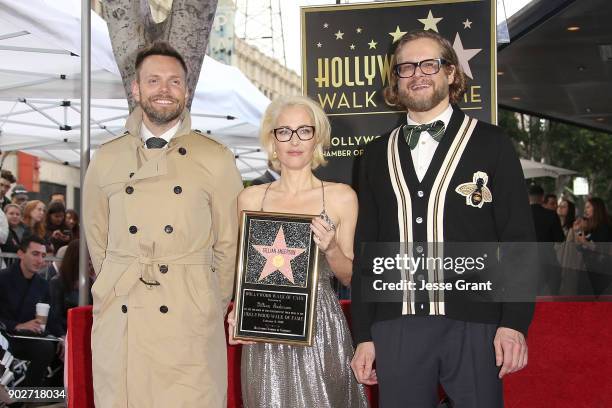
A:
(507, 218)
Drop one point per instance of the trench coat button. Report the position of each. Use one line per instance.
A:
(182, 151)
(168, 229)
(133, 229)
(124, 308)
(178, 190)
(163, 309)
(163, 268)
(131, 174)
(129, 189)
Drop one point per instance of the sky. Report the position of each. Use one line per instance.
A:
(291, 22)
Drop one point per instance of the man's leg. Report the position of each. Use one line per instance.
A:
(468, 372)
(407, 361)
(40, 353)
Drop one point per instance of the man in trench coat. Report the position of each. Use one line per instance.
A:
(161, 227)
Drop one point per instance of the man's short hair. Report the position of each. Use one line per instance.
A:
(536, 190)
(159, 48)
(28, 239)
(456, 89)
(8, 176)
(550, 195)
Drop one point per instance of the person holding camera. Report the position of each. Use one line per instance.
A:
(593, 234)
(57, 232)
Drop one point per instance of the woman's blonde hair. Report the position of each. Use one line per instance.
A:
(38, 228)
(319, 119)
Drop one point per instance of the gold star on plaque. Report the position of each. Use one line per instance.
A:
(397, 34)
(319, 45)
(325, 25)
(467, 24)
(359, 30)
(372, 44)
(352, 46)
(339, 35)
(430, 22)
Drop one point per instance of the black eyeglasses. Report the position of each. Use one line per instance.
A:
(284, 134)
(428, 67)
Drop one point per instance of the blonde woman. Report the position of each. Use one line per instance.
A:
(295, 132)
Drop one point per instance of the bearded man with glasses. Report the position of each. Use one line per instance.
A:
(440, 177)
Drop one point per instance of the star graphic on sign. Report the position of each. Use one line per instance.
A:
(352, 46)
(467, 24)
(278, 257)
(359, 30)
(325, 25)
(397, 34)
(464, 55)
(339, 35)
(372, 44)
(430, 22)
(319, 45)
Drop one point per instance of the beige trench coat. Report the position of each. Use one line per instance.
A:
(167, 216)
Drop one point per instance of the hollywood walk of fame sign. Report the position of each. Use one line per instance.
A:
(276, 280)
(347, 62)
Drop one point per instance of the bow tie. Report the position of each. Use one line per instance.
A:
(412, 132)
(155, 143)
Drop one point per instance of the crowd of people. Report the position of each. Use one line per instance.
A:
(575, 244)
(40, 264)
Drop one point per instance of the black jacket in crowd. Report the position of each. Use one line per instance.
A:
(19, 296)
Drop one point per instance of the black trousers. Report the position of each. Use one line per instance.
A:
(414, 354)
(40, 353)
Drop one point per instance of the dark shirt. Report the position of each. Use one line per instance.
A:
(547, 224)
(57, 243)
(19, 296)
(10, 246)
(265, 178)
(5, 201)
(62, 300)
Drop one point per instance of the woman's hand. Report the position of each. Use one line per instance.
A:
(578, 225)
(231, 324)
(60, 236)
(324, 235)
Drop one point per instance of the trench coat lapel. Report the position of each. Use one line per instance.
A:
(153, 162)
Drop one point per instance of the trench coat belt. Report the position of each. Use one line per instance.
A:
(143, 264)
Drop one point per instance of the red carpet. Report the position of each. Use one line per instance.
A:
(570, 360)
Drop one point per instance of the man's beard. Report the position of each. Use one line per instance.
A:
(163, 115)
(422, 104)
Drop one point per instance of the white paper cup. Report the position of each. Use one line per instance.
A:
(42, 313)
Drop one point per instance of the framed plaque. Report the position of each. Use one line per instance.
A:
(277, 275)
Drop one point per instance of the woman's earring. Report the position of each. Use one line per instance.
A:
(274, 155)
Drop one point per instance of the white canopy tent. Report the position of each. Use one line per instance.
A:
(40, 87)
(533, 169)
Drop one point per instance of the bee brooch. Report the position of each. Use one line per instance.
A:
(476, 193)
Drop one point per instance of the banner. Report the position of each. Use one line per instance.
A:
(347, 62)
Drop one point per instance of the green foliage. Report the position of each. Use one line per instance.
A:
(567, 146)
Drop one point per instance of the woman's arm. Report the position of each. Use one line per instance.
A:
(337, 245)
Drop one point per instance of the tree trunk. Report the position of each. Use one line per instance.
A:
(132, 28)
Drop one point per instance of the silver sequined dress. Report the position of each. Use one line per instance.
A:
(283, 376)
